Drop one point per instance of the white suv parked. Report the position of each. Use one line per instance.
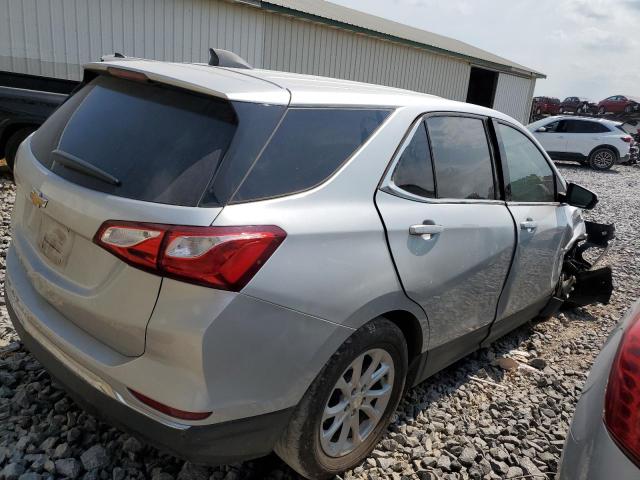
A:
(598, 142)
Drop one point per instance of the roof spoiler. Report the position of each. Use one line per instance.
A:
(225, 58)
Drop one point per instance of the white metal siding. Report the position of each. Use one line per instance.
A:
(302, 46)
(513, 96)
(56, 37)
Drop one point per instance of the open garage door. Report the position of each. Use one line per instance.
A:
(482, 87)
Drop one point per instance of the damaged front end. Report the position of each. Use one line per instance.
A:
(581, 282)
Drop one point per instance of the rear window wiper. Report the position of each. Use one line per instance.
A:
(74, 163)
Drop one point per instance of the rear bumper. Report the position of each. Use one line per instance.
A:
(221, 443)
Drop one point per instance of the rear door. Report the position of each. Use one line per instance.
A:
(450, 235)
(584, 135)
(117, 150)
(542, 226)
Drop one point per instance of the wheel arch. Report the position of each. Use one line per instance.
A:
(608, 147)
(411, 329)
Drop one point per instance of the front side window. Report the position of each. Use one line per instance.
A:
(461, 157)
(309, 146)
(529, 177)
(559, 126)
(414, 173)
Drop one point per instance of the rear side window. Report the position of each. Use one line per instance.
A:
(414, 173)
(162, 144)
(585, 126)
(461, 158)
(307, 148)
(529, 177)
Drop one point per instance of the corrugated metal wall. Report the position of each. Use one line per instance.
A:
(55, 37)
(513, 96)
(305, 47)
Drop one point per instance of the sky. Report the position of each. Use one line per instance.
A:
(587, 48)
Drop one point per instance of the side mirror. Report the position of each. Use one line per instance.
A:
(580, 197)
(541, 130)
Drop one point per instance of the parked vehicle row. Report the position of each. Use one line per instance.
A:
(580, 105)
(596, 142)
(275, 257)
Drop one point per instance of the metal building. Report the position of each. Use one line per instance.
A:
(54, 38)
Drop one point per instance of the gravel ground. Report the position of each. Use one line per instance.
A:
(474, 420)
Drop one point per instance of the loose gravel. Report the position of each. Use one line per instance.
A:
(475, 420)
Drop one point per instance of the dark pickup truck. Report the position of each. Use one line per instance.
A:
(25, 103)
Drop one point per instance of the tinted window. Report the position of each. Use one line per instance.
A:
(308, 147)
(584, 126)
(162, 144)
(414, 172)
(461, 158)
(529, 176)
(559, 126)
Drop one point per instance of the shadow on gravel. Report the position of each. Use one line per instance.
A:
(578, 166)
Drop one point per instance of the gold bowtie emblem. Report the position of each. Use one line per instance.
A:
(38, 199)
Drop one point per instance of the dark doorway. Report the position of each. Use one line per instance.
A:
(482, 87)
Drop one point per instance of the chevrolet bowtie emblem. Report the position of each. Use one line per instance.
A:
(38, 199)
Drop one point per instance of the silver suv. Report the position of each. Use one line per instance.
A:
(229, 261)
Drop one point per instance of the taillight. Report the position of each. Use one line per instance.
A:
(627, 139)
(622, 402)
(220, 257)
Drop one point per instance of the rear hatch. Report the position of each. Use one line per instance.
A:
(117, 150)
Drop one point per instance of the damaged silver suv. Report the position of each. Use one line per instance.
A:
(231, 261)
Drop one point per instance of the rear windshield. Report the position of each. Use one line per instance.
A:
(161, 144)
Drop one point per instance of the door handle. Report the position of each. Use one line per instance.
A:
(426, 231)
(529, 225)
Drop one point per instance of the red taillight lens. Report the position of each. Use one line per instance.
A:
(136, 243)
(627, 139)
(220, 257)
(167, 410)
(622, 403)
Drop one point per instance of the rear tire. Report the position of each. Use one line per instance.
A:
(628, 109)
(315, 443)
(602, 158)
(11, 148)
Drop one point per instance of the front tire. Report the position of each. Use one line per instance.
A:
(347, 408)
(601, 111)
(602, 159)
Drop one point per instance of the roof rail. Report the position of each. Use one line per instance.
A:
(225, 58)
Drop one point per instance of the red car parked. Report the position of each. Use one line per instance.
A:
(619, 104)
(546, 105)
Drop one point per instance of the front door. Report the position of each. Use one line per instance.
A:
(451, 238)
(554, 139)
(542, 226)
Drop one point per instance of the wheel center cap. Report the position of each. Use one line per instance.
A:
(357, 402)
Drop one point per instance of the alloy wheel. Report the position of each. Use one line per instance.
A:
(603, 159)
(357, 402)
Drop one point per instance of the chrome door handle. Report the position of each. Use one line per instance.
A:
(528, 225)
(425, 230)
